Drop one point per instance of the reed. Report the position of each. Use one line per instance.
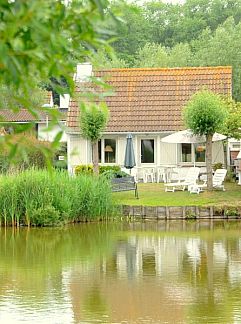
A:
(42, 198)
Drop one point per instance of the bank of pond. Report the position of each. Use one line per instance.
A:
(52, 198)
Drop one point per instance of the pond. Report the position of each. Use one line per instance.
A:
(151, 272)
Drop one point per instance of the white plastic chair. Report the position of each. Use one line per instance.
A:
(190, 179)
(218, 179)
(149, 174)
(161, 175)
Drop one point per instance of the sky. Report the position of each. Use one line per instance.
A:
(165, 1)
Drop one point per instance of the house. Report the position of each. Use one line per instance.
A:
(10, 119)
(148, 103)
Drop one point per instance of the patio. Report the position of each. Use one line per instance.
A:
(153, 194)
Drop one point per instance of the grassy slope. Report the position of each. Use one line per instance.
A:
(153, 194)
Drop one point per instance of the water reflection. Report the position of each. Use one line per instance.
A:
(162, 272)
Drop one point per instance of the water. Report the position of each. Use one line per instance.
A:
(166, 272)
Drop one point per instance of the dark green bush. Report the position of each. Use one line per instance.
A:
(45, 216)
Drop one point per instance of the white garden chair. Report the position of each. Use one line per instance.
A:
(149, 175)
(190, 179)
(161, 174)
(218, 179)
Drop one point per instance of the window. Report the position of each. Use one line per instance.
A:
(110, 150)
(147, 151)
(186, 152)
(99, 150)
(200, 152)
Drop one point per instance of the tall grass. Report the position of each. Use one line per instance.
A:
(40, 198)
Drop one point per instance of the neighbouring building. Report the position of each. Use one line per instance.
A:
(40, 126)
(148, 103)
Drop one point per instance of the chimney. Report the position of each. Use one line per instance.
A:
(64, 101)
(84, 71)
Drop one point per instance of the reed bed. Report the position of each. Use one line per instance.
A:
(42, 198)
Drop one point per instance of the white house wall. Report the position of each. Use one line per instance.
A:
(168, 153)
(77, 148)
(49, 135)
(79, 151)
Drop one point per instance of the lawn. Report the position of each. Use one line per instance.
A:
(153, 194)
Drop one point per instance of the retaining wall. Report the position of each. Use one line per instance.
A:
(182, 212)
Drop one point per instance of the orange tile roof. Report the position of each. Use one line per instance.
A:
(23, 115)
(151, 99)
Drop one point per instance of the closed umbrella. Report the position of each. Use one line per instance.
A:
(129, 161)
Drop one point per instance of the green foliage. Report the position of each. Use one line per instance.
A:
(106, 168)
(217, 166)
(205, 113)
(230, 177)
(29, 156)
(61, 151)
(45, 216)
(104, 60)
(156, 55)
(232, 125)
(93, 120)
(109, 171)
(39, 37)
(231, 211)
(40, 198)
(83, 169)
(41, 43)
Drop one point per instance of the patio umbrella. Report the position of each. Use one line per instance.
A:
(187, 136)
(129, 161)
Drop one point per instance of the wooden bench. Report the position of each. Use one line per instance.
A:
(124, 184)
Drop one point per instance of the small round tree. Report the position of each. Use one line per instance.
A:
(93, 120)
(205, 114)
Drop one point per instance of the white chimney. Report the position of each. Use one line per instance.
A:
(64, 101)
(84, 70)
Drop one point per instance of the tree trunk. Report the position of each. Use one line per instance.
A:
(225, 152)
(95, 156)
(209, 161)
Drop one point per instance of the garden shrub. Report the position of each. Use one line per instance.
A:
(84, 169)
(110, 171)
(217, 166)
(45, 216)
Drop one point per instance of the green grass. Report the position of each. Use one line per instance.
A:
(153, 194)
(40, 198)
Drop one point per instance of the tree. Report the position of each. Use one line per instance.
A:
(104, 60)
(232, 125)
(43, 40)
(205, 114)
(93, 120)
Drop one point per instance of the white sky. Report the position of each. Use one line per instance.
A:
(165, 1)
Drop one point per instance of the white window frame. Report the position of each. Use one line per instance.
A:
(103, 150)
(193, 156)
